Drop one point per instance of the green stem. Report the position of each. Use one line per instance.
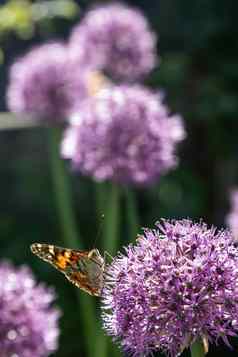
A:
(197, 349)
(108, 203)
(111, 231)
(101, 200)
(63, 199)
(101, 344)
(63, 195)
(132, 214)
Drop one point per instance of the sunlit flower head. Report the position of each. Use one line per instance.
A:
(42, 82)
(116, 39)
(232, 217)
(178, 283)
(28, 322)
(124, 134)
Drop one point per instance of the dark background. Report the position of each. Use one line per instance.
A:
(199, 73)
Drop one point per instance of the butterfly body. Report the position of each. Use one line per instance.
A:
(85, 269)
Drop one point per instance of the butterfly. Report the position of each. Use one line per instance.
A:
(85, 269)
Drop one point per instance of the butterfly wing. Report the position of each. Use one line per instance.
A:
(89, 273)
(82, 268)
(60, 258)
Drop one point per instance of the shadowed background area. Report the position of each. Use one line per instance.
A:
(198, 74)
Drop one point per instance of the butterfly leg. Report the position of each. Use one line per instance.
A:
(106, 254)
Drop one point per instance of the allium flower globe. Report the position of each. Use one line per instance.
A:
(116, 39)
(232, 217)
(42, 82)
(124, 134)
(178, 283)
(28, 322)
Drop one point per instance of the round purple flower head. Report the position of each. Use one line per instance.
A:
(28, 322)
(178, 283)
(124, 134)
(116, 39)
(232, 217)
(42, 82)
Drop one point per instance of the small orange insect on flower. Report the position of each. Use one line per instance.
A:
(85, 269)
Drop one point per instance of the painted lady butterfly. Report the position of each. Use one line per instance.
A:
(85, 269)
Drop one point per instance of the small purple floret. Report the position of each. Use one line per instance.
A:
(42, 82)
(178, 283)
(28, 322)
(124, 134)
(116, 39)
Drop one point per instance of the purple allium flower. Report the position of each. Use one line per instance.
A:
(42, 82)
(116, 39)
(28, 322)
(232, 217)
(124, 134)
(179, 282)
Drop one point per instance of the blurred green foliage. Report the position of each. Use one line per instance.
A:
(16, 15)
(22, 17)
(199, 76)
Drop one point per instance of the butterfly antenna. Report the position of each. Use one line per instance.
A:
(99, 230)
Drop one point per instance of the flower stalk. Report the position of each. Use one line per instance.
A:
(101, 200)
(62, 192)
(108, 197)
(111, 231)
(197, 349)
(71, 238)
(132, 214)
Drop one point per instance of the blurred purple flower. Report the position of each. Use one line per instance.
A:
(232, 217)
(177, 284)
(42, 82)
(28, 322)
(124, 134)
(116, 39)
